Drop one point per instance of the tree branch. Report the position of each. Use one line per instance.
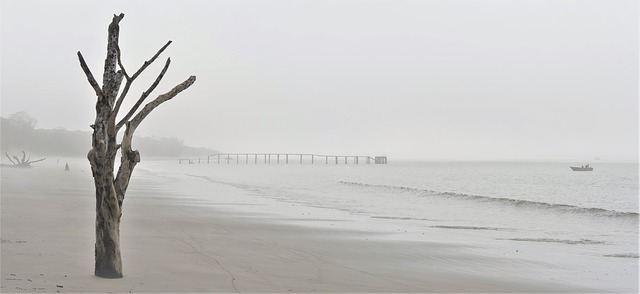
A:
(130, 80)
(123, 94)
(128, 162)
(120, 63)
(144, 96)
(136, 120)
(41, 159)
(130, 157)
(150, 61)
(9, 158)
(89, 75)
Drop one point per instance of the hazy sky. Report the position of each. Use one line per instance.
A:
(449, 79)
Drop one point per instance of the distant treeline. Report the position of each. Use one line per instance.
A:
(18, 133)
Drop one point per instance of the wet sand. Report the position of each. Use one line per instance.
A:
(170, 243)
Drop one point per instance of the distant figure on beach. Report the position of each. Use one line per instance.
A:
(66, 166)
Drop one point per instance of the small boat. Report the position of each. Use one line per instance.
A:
(581, 168)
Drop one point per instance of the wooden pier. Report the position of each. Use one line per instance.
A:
(286, 158)
(189, 160)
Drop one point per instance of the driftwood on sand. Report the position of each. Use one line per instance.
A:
(24, 162)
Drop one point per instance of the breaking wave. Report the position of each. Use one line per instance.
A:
(403, 218)
(472, 228)
(501, 200)
(623, 255)
(548, 240)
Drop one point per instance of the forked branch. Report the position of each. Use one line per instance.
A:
(144, 96)
(130, 80)
(10, 158)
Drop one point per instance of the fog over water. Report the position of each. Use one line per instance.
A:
(505, 80)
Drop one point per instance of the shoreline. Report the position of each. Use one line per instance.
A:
(172, 243)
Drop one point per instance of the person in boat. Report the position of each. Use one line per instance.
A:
(582, 166)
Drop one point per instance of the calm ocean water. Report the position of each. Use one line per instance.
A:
(543, 211)
(542, 199)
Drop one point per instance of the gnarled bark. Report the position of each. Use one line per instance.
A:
(110, 188)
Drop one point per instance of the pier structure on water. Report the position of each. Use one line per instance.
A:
(286, 158)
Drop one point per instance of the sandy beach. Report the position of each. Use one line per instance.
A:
(172, 242)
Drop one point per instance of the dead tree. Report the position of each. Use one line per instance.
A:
(110, 187)
(24, 162)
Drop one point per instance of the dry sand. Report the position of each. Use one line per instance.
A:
(171, 245)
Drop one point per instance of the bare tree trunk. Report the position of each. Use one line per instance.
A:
(108, 263)
(110, 189)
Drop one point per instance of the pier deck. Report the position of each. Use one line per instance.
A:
(286, 158)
